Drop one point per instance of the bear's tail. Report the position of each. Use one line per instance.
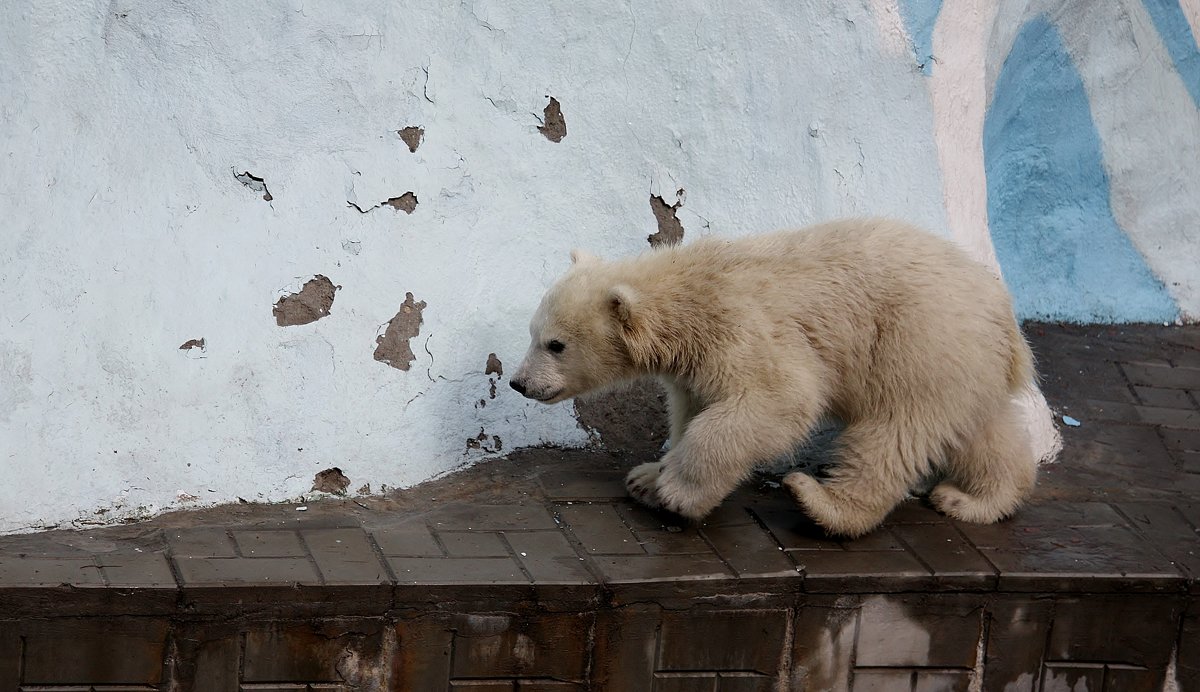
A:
(1020, 364)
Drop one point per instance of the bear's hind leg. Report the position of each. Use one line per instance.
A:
(875, 471)
(991, 474)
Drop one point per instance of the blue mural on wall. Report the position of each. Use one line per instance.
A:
(1063, 255)
(1177, 36)
(920, 16)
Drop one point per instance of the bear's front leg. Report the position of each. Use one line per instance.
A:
(719, 449)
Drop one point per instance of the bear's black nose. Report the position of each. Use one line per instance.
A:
(517, 386)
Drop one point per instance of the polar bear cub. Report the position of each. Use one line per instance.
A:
(892, 330)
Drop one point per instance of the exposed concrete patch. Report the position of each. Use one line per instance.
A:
(254, 183)
(670, 230)
(393, 347)
(406, 202)
(310, 304)
(331, 481)
(632, 418)
(553, 126)
(193, 343)
(494, 366)
(412, 136)
(481, 440)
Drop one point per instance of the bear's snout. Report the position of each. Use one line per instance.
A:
(517, 385)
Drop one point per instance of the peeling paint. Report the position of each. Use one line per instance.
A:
(309, 304)
(412, 136)
(494, 366)
(392, 347)
(254, 183)
(481, 440)
(670, 230)
(332, 481)
(553, 126)
(406, 202)
(193, 343)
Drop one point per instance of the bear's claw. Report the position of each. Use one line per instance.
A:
(642, 483)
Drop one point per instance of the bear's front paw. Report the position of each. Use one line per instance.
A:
(678, 493)
(642, 483)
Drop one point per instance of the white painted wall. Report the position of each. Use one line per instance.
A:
(124, 232)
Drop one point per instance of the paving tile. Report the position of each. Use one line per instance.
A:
(919, 631)
(125, 651)
(201, 571)
(1165, 528)
(879, 539)
(480, 570)
(269, 543)
(750, 551)
(1169, 417)
(145, 570)
(660, 533)
(1189, 462)
(17, 571)
(859, 571)
(473, 544)
(548, 557)
(490, 517)
(200, 542)
(551, 645)
(412, 539)
(746, 640)
(951, 557)
(345, 556)
(657, 568)
(600, 529)
(795, 531)
(1166, 398)
(1157, 375)
(914, 511)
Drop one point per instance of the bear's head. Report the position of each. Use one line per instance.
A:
(579, 334)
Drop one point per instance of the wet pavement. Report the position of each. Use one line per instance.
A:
(535, 572)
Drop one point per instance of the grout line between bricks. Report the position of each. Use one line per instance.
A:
(512, 554)
(312, 560)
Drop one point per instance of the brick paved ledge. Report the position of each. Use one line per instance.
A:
(536, 573)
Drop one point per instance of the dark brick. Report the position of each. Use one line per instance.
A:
(879, 539)
(199, 571)
(202, 542)
(207, 658)
(750, 640)
(662, 534)
(600, 529)
(919, 632)
(1121, 679)
(624, 652)
(823, 643)
(1166, 398)
(286, 652)
(345, 556)
(942, 681)
(1016, 643)
(147, 570)
(857, 571)
(1072, 676)
(750, 551)
(1165, 528)
(459, 517)
(1181, 440)
(729, 513)
(914, 512)
(411, 539)
(126, 651)
(738, 681)
(795, 531)
(652, 568)
(1188, 654)
(10, 655)
(548, 645)
(423, 653)
(1161, 375)
(952, 559)
(482, 570)
(686, 682)
(1128, 629)
(16, 571)
(548, 557)
(473, 544)
(1189, 461)
(1169, 417)
(269, 543)
(883, 680)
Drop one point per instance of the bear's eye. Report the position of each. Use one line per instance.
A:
(556, 346)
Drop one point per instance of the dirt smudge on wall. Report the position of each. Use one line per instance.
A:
(312, 302)
(393, 347)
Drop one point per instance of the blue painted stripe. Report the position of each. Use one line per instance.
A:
(920, 17)
(1177, 36)
(1063, 254)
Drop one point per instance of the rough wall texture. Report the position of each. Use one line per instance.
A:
(172, 171)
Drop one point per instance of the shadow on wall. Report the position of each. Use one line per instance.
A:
(1064, 256)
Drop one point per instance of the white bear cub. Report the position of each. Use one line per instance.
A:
(892, 330)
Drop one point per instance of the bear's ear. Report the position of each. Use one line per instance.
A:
(623, 301)
(583, 257)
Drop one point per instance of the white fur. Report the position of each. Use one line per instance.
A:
(896, 332)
